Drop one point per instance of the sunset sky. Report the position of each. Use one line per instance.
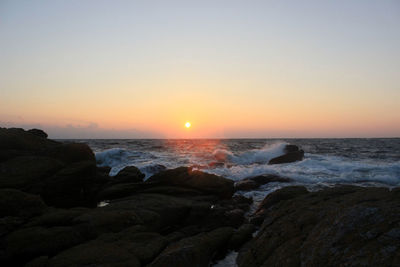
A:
(142, 69)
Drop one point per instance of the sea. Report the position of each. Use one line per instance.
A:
(327, 162)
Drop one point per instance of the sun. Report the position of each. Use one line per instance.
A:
(188, 124)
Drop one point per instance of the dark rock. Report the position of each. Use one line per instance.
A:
(342, 226)
(257, 181)
(157, 211)
(38, 262)
(173, 191)
(270, 178)
(19, 204)
(38, 132)
(18, 139)
(9, 224)
(280, 195)
(235, 217)
(241, 236)
(204, 182)
(291, 148)
(144, 245)
(101, 220)
(71, 152)
(114, 191)
(27, 173)
(96, 253)
(194, 251)
(292, 154)
(246, 185)
(6, 154)
(153, 169)
(104, 170)
(26, 244)
(75, 185)
(129, 174)
(58, 217)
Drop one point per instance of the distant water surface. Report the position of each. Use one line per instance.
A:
(369, 162)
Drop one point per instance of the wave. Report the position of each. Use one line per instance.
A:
(255, 156)
(320, 169)
(315, 169)
(118, 158)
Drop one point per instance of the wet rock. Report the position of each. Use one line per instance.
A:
(342, 226)
(246, 185)
(129, 174)
(194, 251)
(103, 170)
(270, 178)
(241, 236)
(255, 182)
(292, 154)
(153, 169)
(204, 182)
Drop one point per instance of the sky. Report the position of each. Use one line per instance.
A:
(233, 69)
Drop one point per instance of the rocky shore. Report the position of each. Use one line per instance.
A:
(57, 208)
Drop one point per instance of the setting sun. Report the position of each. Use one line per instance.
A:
(187, 124)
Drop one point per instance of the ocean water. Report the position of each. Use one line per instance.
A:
(327, 162)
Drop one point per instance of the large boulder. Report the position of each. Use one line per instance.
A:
(96, 253)
(194, 251)
(17, 142)
(274, 198)
(143, 244)
(19, 204)
(292, 154)
(341, 226)
(129, 174)
(27, 172)
(18, 139)
(74, 185)
(71, 152)
(133, 246)
(28, 243)
(157, 211)
(201, 181)
(99, 221)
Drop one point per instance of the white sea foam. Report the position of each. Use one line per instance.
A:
(228, 261)
(320, 169)
(259, 156)
(118, 158)
(111, 157)
(315, 169)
